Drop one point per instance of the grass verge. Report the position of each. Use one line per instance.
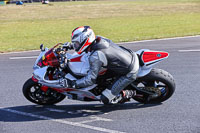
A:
(26, 27)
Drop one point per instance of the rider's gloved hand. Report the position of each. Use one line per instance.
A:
(71, 83)
(67, 46)
(67, 83)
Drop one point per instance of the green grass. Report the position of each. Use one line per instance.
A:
(26, 27)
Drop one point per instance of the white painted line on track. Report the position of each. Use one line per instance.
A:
(90, 111)
(88, 121)
(95, 118)
(27, 57)
(163, 39)
(191, 50)
(100, 118)
(55, 110)
(20, 52)
(61, 121)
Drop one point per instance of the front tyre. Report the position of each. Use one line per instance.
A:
(33, 93)
(157, 81)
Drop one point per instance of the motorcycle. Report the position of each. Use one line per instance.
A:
(52, 65)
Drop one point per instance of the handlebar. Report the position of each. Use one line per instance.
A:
(60, 49)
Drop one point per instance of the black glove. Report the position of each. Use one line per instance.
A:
(68, 83)
(71, 83)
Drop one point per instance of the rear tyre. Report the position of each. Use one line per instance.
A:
(33, 93)
(161, 81)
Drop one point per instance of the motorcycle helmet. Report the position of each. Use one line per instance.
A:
(82, 38)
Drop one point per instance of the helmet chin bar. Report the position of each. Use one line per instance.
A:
(81, 45)
(77, 46)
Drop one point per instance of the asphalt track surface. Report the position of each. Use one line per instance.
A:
(179, 114)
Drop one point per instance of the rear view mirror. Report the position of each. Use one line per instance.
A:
(42, 47)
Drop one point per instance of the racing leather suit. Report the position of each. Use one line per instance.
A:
(104, 53)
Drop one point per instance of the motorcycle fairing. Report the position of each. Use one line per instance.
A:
(39, 57)
(46, 57)
(40, 76)
(149, 58)
(84, 92)
(81, 94)
(49, 59)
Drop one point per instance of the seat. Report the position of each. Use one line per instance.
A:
(140, 58)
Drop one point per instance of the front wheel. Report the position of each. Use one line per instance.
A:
(159, 82)
(32, 91)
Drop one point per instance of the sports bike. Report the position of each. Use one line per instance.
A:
(53, 65)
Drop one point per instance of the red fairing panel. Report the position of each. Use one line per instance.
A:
(149, 56)
(34, 79)
(77, 59)
(102, 72)
(61, 90)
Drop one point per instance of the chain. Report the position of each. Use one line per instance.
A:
(152, 89)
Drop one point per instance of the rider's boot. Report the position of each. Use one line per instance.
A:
(107, 96)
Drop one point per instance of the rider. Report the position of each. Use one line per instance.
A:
(104, 53)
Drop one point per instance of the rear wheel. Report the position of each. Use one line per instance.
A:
(159, 83)
(32, 91)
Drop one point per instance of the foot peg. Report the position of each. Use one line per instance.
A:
(127, 95)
